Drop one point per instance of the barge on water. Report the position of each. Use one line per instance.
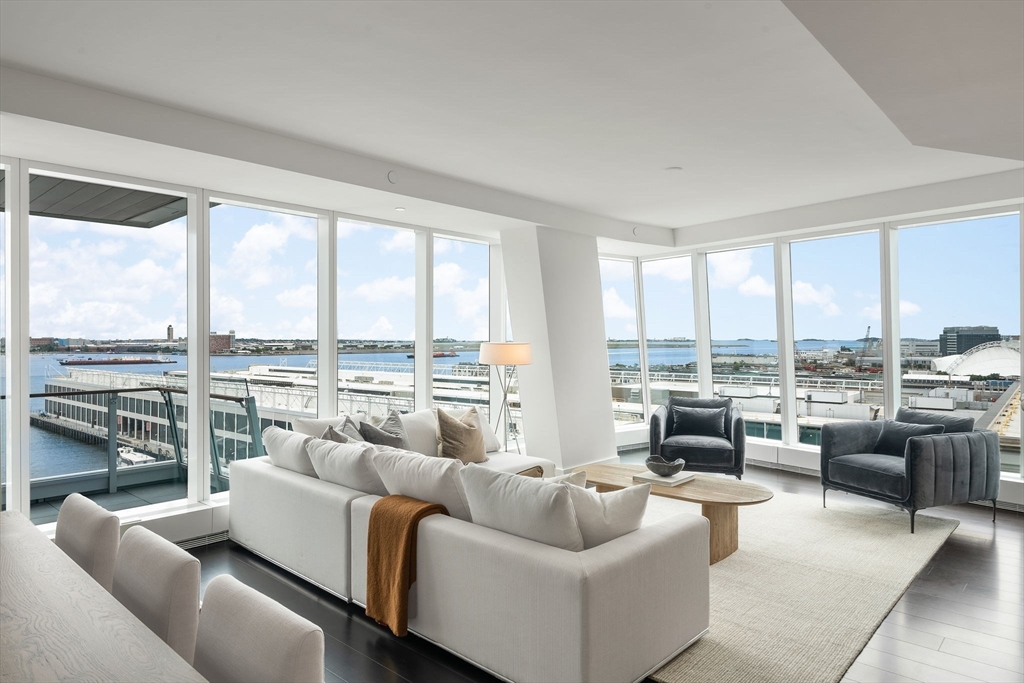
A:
(121, 360)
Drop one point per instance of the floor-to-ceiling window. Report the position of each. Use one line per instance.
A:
(263, 327)
(744, 348)
(3, 340)
(461, 322)
(670, 328)
(107, 281)
(959, 321)
(837, 331)
(618, 293)
(376, 318)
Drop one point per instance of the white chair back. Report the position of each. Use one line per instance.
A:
(89, 535)
(245, 637)
(159, 583)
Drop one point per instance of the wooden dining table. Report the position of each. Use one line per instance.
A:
(58, 624)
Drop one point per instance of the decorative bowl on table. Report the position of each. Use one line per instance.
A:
(662, 467)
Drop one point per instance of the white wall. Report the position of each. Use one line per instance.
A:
(554, 294)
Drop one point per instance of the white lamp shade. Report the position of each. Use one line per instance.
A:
(505, 353)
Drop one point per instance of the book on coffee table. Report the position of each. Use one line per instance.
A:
(652, 478)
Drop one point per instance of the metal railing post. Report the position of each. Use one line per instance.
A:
(112, 400)
(254, 426)
(172, 425)
(214, 455)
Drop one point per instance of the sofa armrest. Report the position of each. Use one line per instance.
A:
(659, 429)
(646, 596)
(948, 469)
(846, 438)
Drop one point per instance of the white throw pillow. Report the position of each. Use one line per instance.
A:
(311, 426)
(491, 443)
(421, 431)
(604, 516)
(574, 478)
(435, 480)
(288, 450)
(522, 506)
(346, 464)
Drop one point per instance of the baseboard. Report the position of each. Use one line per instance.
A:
(787, 468)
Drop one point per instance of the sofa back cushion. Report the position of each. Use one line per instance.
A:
(288, 450)
(311, 426)
(688, 421)
(434, 480)
(893, 438)
(522, 506)
(346, 464)
(952, 423)
(421, 431)
(603, 517)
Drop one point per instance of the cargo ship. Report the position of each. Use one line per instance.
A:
(121, 360)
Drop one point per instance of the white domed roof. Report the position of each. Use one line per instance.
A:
(994, 358)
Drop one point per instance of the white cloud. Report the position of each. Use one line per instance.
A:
(907, 308)
(448, 276)
(300, 297)
(613, 270)
(386, 289)
(729, 268)
(347, 227)
(675, 269)
(806, 294)
(382, 329)
(469, 302)
(615, 307)
(756, 286)
(401, 241)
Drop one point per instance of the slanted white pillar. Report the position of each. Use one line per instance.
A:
(554, 294)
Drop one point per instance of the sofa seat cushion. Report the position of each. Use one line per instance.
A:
(875, 472)
(704, 450)
(514, 463)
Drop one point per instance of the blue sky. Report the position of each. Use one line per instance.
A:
(101, 281)
(962, 273)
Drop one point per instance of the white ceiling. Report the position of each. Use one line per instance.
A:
(579, 104)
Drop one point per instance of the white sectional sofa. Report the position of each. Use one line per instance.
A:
(523, 610)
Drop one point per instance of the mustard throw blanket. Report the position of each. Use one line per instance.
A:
(391, 558)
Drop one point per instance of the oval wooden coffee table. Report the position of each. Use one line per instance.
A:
(719, 499)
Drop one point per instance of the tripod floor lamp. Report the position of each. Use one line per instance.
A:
(507, 355)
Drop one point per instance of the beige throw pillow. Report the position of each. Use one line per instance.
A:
(461, 439)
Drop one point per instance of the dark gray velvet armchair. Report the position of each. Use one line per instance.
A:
(958, 466)
(702, 453)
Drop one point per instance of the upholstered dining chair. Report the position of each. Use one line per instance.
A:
(709, 433)
(245, 637)
(89, 535)
(159, 583)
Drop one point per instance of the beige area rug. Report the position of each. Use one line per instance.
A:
(806, 590)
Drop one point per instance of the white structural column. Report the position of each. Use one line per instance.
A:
(424, 352)
(641, 335)
(892, 375)
(17, 288)
(702, 321)
(1020, 219)
(327, 315)
(496, 328)
(199, 346)
(554, 294)
(785, 336)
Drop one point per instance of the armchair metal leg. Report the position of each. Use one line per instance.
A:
(993, 510)
(823, 490)
(739, 477)
(912, 513)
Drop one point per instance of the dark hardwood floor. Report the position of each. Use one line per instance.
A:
(961, 620)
